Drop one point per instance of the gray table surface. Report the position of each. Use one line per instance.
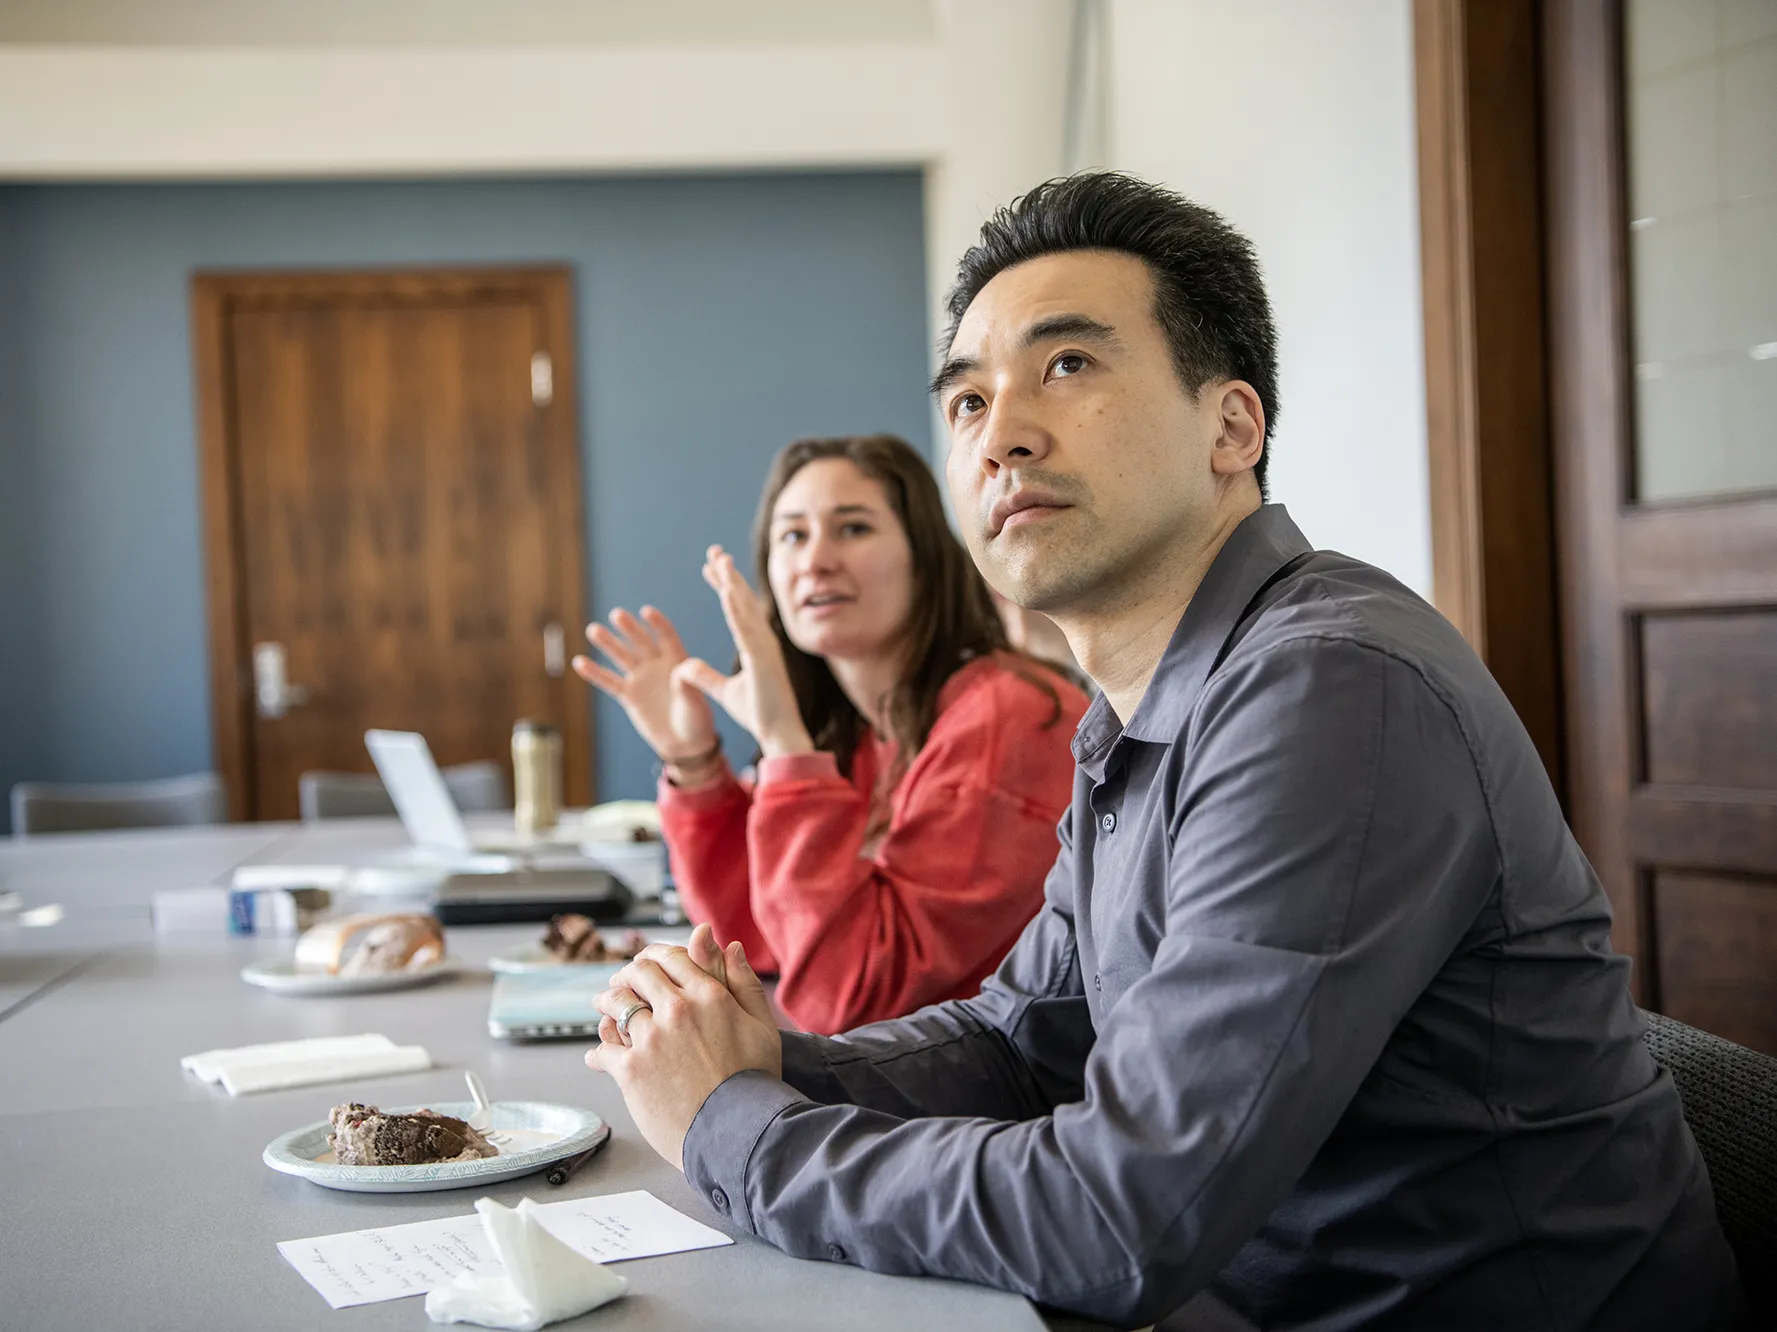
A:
(134, 1195)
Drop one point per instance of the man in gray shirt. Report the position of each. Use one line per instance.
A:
(1320, 1017)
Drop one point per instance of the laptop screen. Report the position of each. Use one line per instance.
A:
(417, 787)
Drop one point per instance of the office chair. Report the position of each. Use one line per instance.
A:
(1730, 1102)
(475, 787)
(51, 807)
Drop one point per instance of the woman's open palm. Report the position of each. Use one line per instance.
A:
(645, 654)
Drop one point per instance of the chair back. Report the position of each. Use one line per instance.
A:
(475, 788)
(1730, 1102)
(50, 807)
(342, 795)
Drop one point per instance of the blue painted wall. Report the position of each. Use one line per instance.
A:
(21, 680)
(718, 318)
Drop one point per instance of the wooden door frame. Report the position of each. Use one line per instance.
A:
(213, 296)
(1589, 362)
(1490, 449)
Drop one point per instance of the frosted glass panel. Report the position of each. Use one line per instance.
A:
(1700, 86)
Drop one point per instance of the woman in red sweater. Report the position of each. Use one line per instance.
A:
(912, 765)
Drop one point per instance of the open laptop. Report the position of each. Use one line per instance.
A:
(503, 876)
(549, 1002)
(431, 817)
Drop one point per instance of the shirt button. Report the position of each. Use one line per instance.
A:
(720, 1199)
(1097, 984)
(836, 1253)
(1108, 822)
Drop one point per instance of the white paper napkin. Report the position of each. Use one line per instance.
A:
(291, 876)
(543, 1280)
(279, 1064)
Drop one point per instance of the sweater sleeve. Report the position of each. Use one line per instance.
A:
(706, 844)
(958, 874)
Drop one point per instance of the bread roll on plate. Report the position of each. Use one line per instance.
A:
(371, 945)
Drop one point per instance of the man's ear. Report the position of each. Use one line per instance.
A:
(1241, 441)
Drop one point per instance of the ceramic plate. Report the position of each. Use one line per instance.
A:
(535, 957)
(282, 977)
(538, 1134)
(529, 957)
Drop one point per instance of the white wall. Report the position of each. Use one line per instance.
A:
(130, 112)
(1002, 71)
(1294, 119)
(478, 24)
(1002, 81)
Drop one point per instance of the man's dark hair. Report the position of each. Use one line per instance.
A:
(1209, 295)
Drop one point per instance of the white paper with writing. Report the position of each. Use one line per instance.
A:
(365, 1266)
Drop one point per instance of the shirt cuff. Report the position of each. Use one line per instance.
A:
(719, 1145)
(818, 765)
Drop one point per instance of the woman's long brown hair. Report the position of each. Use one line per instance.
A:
(952, 622)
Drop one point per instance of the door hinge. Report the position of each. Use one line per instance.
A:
(542, 379)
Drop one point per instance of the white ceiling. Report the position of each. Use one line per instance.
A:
(452, 23)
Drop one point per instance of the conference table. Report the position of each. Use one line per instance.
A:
(135, 1196)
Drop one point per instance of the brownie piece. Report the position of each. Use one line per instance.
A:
(576, 939)
(364, 1135)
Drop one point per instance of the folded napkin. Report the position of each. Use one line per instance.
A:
(255, 877)
(279, 1064)
(543, 1280)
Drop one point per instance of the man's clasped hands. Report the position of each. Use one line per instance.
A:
(691, 1019)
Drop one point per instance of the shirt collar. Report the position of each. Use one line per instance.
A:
(1263, 543)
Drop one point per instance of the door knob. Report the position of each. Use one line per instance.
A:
(272, 689)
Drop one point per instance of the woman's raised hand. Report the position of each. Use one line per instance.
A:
(645, 653)
(758, 695)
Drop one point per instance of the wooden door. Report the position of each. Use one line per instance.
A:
(1662, 234)
(392, 500)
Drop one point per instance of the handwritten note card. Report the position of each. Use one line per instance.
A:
(365, 1266)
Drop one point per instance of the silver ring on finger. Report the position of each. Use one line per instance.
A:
(623, 1018)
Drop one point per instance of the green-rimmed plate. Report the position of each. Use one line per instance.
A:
(536, 1134)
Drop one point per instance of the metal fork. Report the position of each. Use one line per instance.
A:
(482, 1121)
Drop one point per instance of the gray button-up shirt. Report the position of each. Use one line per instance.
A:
(1320, 1014)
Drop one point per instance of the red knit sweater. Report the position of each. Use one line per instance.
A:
(928, 908)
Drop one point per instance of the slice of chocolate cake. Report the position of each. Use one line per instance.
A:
(364, 1135)
(576, 939)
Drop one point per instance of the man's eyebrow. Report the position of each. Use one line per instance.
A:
(1080, 326)
(952, 370)
(1069, 326)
